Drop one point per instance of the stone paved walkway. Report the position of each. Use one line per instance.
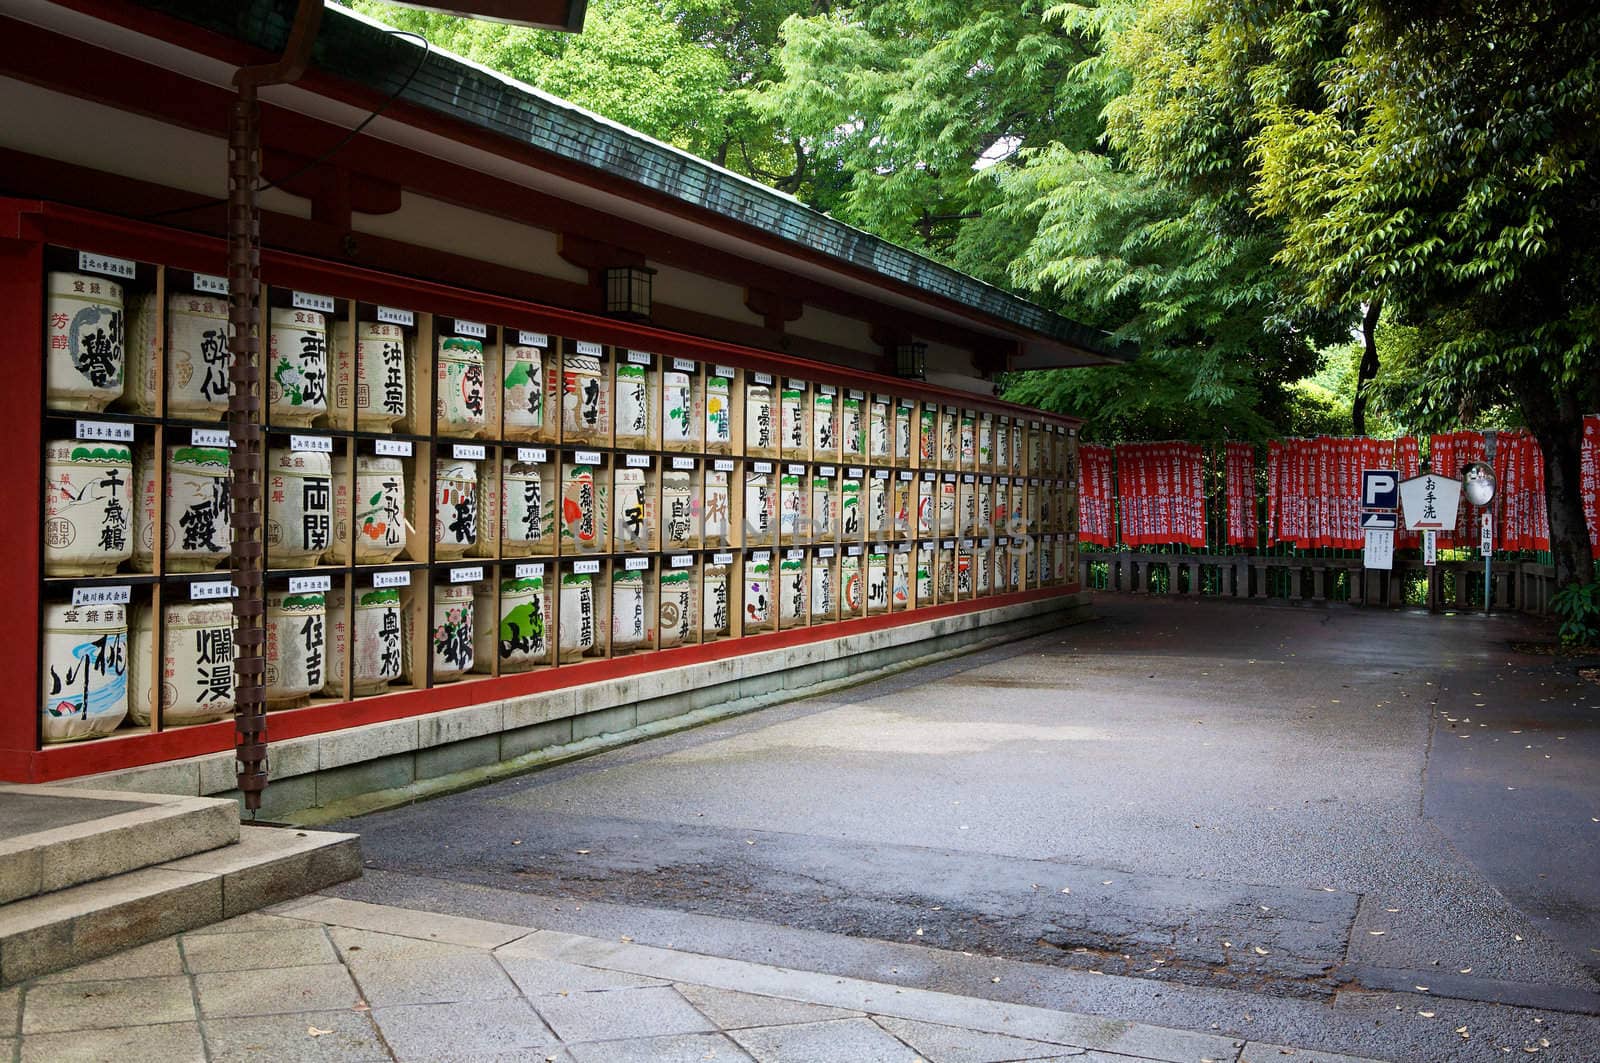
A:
(330, 980)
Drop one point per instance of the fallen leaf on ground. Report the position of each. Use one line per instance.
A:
(1377, 933)
(312, 1031)
(1427, 1014)
(1260, 951)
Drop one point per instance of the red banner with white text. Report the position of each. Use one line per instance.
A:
(1096, 497)
(1162, 493)
(1590, 479)
(1240, 460)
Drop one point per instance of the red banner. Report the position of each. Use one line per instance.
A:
(1095, 494)
(1590, 481)
(1162, 493)
(1314, 489)
(1240, 459)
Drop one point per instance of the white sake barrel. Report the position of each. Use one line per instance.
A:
(949, 443)
(146, 506)
(715, 509)
(84, 671)
(299, 507)
(757, 595)
(582, 509)
(297, 648)
(635, 510)
(380, 509)
(981, 564)
(947, 507)
(824, 425)
(524, 392)
(460, 396)
(198, 531)
(141, 385)
(823, 599)
(1002, 445)
(928, 436)
(680, 421)
(88, 507)
(985, 441)
(383, 389)
(678, 531)
(793, 582)
(198, 358)
(925, 566)
(947, 575)
(577, 628)
(455, 520)
(760, 434)
(338, 551)
(824, 528)
(877, 507)
(715, 616)
(453, 616)
(900, 580)
(795, 443)
(525, 619)
(880, 424)
(83, 345)
(719, 415)
(196, 664)
(678, 614)
(297, 366)
(584, 411)
(850, 509)
(902, 433)
(792, 505)
(634, 427)
(877, 583)
(629, 627)
(528, 509)
(760, 508)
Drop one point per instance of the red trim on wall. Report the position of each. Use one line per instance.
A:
(21, 411)
(135, 750)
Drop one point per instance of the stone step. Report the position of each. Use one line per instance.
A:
(53, 838)
(53, 931)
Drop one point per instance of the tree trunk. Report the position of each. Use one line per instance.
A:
(1368, 367)
(1556, 421)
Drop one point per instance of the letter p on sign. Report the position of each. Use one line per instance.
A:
(1380, 489)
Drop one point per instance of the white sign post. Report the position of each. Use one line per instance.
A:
(1379, 553)
(1430, 549)
(1430, 502)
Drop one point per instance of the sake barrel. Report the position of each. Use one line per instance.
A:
(794, 422)
(793, 582)
(582, 518)
(84, 671)
(715, 616)
(576, 634)
(791, 506)
(877, 583)
(524, 392)
(583, 407)
(297, 361)
(629, 629)
(198, 358)
(902, 433)
(196, 664)
(719, 415)
(680, 423)
(969, 440)
(761, 436)
(635, 510)
(850, 509)
(877, 506)
(678, 512)
(379, 631)
(678, 614)
(633, 405)
(198, 532)
(852, 584)
(383, 388)
(757, 594)
(83, 345)
(88, 507)
(900, 580)
(850, 428)
(823, 599)
(297, 648)
(452, 631)
(460, 402)
(879, 427)
(525, 619)
(455, 519)
(824, 427)
(714, 512)
(141, 385)
(527, 513)
(380, 509)
(146, 506)
(823, 527)
(759, 508)
(299, 507)
(985, 441)
(949, 446)
(927, 436)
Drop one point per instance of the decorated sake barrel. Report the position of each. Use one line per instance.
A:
(198, 359)
(678, 612)
(900, 580)
(583, 406)
(1036, 452)
(968, 435)
(383, 388)
(794, 422)
(760, 506)
(823, 599)
(980, 571)
(379, 640)
(338, 551)
(947, 508)
(947, 575)
(949, 445)
(297, 379)
(146, 506)
(1015, 573)
(198, 532)
(141, 385)
(964, 575)
(1002, 446)
(823, 525)
(968, 498)
(635, 510)
(525, 619)
(985, 441)
(902, 512)
(760, 434)
(850, 427)
(196, 664)
(925, 567)
(1001, 567)
(985, 496)
(824, 426)
(83, 346)
(460, 395)
(297, 648)
(850, 509)
(791, 506)
(455, 517)
(877, 583)
(577, 628)
(757, 594)
(528, 510)
(1016, 449)
(453, 615)
(582, 519)
(853, 585)
(928, 436)
(877, 506)
(879, 426)
(902, 433)
(88, 507)
(680, 420)
(678, 511)
(719, 415)
(927, 508)
(299, 507)
(633, 405)
(716, 510)
(380, 509)
(715, 616)
(524, 392)
(629, 629)
(84, 671)
(793, 581)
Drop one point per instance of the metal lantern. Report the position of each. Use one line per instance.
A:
(628, 290)
(911, 361)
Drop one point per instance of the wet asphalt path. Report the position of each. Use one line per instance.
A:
(1251, 818)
